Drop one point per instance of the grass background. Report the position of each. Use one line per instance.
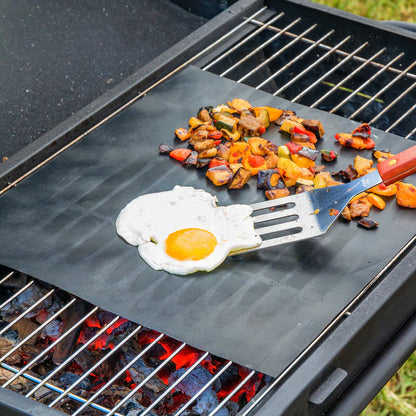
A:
(398, 397)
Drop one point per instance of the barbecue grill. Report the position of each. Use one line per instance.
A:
(305, 53)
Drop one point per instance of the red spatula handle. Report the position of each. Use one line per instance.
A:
(398, 167)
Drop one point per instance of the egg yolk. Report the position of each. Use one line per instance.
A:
(190, 244)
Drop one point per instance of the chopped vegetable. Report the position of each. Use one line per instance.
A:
(284, 151)
(293, 147)
(299, 129)
(274, 113)
(277, 193)
(381, 155)
(360, 208)
(328, 155)
(240, 178)
(215, 135)
(204, 145)
(219, 175)
(269, 179)
(384, 190)
(406, 195)
(315, 127)
(191, 160)
(212, 152)
(238, 152)
(285, 114)
(376, 200)
(180, 154)
(271, 160)
(349, 140)
(309, 153)
(239, 104)
(258, 146)
(362, 165)
(367, 223)
(262, 115)
(302, 161)
(217, 162)
(165, 148)
(363, 131)
(182, 134)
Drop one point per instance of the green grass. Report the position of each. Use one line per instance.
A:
(404, 10)
(398, 397)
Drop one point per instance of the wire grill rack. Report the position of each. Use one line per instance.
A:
(85, 403)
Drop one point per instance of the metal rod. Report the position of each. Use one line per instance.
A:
(303, 53)
(392, 82)
(306, 70)
(332, 70)
(338, 52)
(195, 396)
(72, 356)
(411, 133)
(3, 330)
(38, 329)
(49, 347)
(56, 389)
(96, 365)
(116, 376)
(245, 40)
(5, 278)
(253, 52)
(392, 103)
(372, 78)
(151, 375)
(271, 57)
(172, 386)
(403, 116)
(17, 294)
(343, 81)
(231, 394)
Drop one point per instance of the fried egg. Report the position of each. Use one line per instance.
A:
(183, 230)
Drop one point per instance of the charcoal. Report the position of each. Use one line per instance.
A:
(67, 379)
(52, 330)
(192, 383)
(133, 408)
(25, 327)
(230, 376)
(207, 402)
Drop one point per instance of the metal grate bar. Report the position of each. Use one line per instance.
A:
(172, 386)
(150, 376)
(72, 356)
(343, 81)
(116, 376)
(38, 302)
(411, 133)
(20, 291)
(96, 365)
(5, 278)
(231, 394)
(403, 116)
(56, 389)
(338, 52)
(319, 80)
(307, 50)
(212, 381)
(37, 330)
(261, 47)
(256, 50)
(397, 99)
(306, 70)
(47, 349)
(387, 86)
(357, 90)
(245, 40)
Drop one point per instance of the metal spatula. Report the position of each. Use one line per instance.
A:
(310, 214)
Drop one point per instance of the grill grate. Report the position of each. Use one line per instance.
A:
(321, 69)
(228, 388)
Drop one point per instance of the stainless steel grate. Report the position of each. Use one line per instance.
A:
(337, 72)
(160, 368)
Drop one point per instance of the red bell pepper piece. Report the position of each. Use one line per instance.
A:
(217, 142)
(217, 162)
(215, 135)
(302, 130)
(261, 130)
(293, 147)
(180, 154)
(256, 161)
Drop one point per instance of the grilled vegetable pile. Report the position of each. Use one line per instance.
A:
(228, 141)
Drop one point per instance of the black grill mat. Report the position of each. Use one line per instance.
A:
(260, 310)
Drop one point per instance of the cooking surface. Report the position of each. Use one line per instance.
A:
(58, 56)
(260, 310)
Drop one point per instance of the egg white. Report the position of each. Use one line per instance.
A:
(148, 220)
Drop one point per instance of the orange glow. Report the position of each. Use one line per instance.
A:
(190, 244)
